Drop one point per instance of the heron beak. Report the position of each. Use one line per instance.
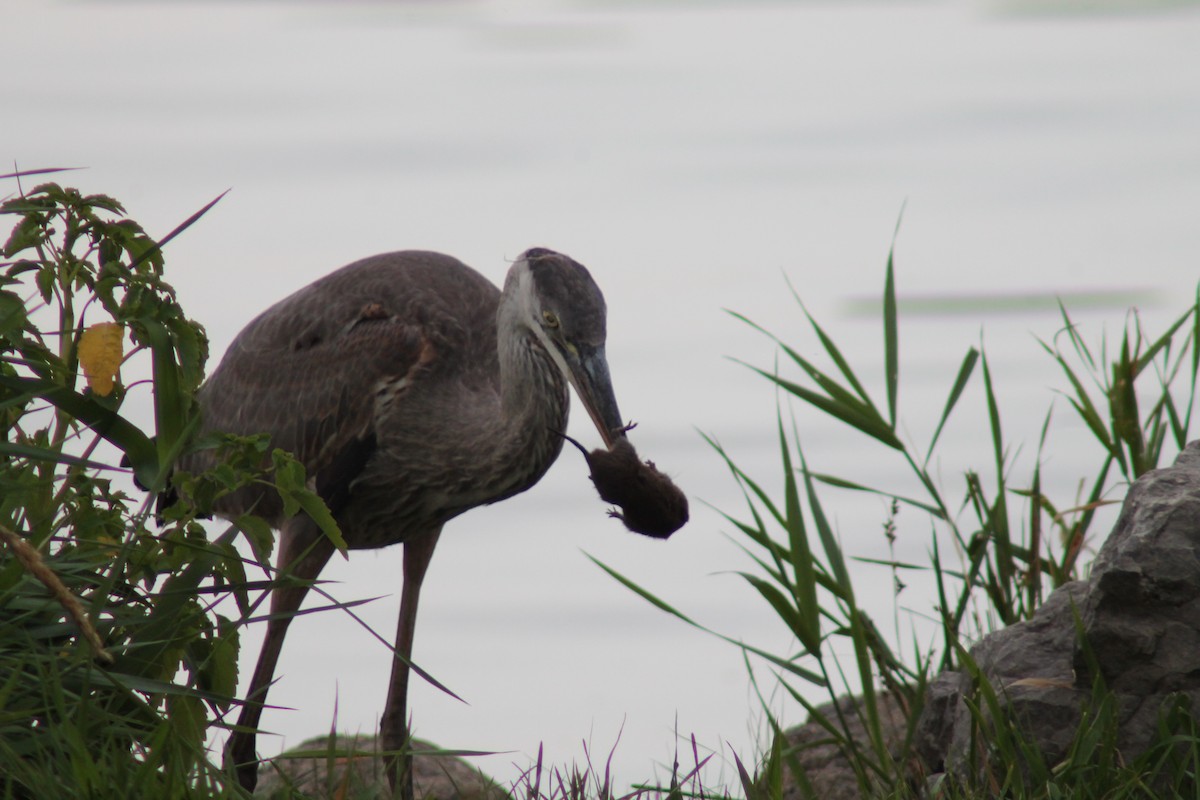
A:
(589, 375)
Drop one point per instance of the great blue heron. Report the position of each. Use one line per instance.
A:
(412, 390)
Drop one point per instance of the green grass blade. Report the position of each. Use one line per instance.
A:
(1081, 401)
(178, 229)
(831, 349)
(890, 563)
(1195, 341)
(34, 453)
(805, 589)
(965, 370)
(662, 605)
(997, 515)
(833, 550)
(108, 424)
(43, 171)
(747, 482)
(1145, 359)
(844, 408)
(1080, 347)
(169, 403)
(891, 339)
(787, 613)
(842, 483)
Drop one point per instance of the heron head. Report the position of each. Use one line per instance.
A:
(564, 309)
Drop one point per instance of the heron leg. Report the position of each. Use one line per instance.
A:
(303, 552)
(394, 732)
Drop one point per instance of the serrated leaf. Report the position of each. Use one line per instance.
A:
(289, 480)
(259, 534)
(293, 489)
(188, 720)
(315, 507)
(26, 234)
(222, 667)
(12, 314)
(45, 283)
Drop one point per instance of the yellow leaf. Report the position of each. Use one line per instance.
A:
(101, 348)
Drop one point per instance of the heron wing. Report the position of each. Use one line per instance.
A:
(325, 371)
(317, 384)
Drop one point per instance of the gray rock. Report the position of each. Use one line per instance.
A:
(823, 760)
(435, 777)
(1139, 613)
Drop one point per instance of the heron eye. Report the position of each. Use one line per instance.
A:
(551, 319)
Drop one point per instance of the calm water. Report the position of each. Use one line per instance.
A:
(693, 155)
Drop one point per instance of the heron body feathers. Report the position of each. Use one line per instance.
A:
(385, 379)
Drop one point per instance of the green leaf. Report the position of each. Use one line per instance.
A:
(169, 411)
(891, 339)
(842, 483)
(221, 669)
(108, 424)
(662, 605)
(192, 347)
(807, 625)
(47, 454)
(746, 482)
(178, 229)
(749, 786)
(289, 480)
(153, 686)
(783, 663)
(12, 314)
(22, 173)
(844, 408)
(188, 719)
(259, 534)
(833, 551)
(45, 280)
(795, 619)
(28, 233)
(1161, 342)
(960, 383)
(315, 507)
(831, 350)
(293, 489)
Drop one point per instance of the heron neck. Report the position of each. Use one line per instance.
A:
(535, 406)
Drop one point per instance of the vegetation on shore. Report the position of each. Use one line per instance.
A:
(999, 544)
(120, 617)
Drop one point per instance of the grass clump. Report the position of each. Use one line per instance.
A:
(1012, 544)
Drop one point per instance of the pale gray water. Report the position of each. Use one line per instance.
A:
(691, 155)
